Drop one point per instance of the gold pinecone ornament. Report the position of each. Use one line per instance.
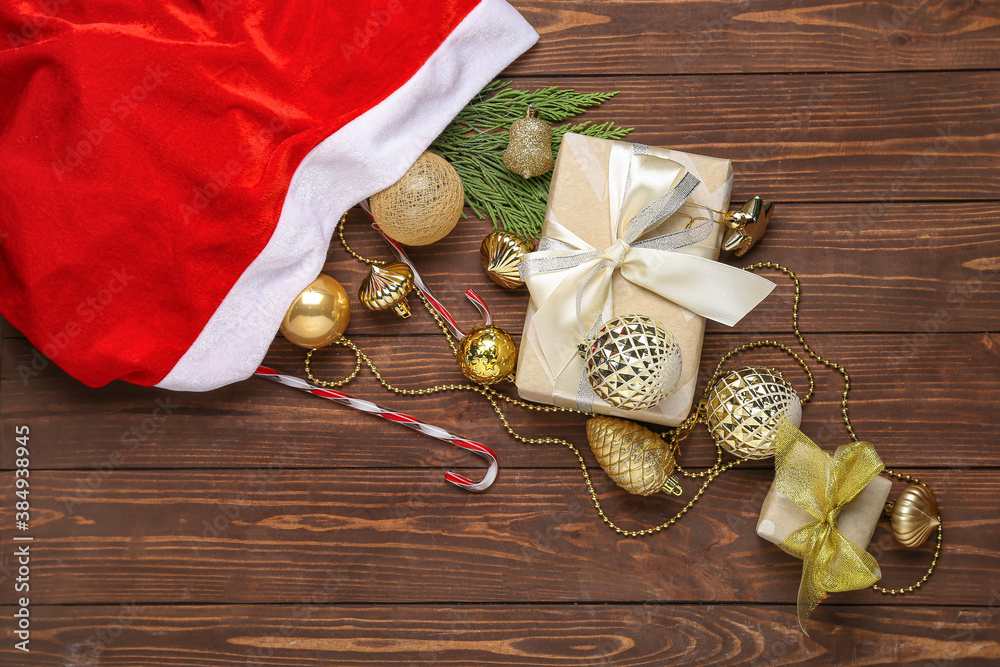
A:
(501, 254)
(529, 149)
(743, 408)
(386, 288)
(632, 362)
(637, 459)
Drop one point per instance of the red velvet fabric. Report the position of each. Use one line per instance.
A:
(146, 148)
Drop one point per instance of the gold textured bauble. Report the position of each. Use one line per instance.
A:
(501, 253)
(424, 205)
(632, 362)
(914, 515)
(487, 354)
(743, 409)
(529, 149)
(319, 315)
(386, 288)
(639, 461)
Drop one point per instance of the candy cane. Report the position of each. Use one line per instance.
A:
(400, 418)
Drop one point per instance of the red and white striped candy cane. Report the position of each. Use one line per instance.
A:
(400, 418)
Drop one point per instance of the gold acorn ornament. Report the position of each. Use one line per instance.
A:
(743, 408)
(529, 149)
(501, 254)
(913, 515)
(746, 226)
(632, 362)
(386, 288)
(637, 459)
(424, 205)
(487, 354)
(318, 315)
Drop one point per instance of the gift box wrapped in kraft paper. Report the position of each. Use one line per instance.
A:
(627, 232)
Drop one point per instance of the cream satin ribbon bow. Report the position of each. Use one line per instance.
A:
(570, 281)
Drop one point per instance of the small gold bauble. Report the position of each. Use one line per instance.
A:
(529, 149)
(487, 354)
(386, 288)
(639, 461)
(743, 409)
(632, 362)
(914, 516)
(424, 205)
(319, 315)
(501, 253)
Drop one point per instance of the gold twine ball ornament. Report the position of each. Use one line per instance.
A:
(743, 408)
(318, 315)
(637, 459)
(501, 254)
(632, 362)
(487, 354)
(529, 149)
(914, 516)
(386, 288)
(424, 205)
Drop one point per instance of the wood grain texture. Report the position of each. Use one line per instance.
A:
(905, 399)
(660, 38)
(140, 635)
(275, 535)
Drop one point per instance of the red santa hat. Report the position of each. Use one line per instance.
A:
(172, 175)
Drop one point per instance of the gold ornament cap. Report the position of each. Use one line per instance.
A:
(632, 362)
(318, 315)
(501, 254)
(914, 516)
(742, 410)
(529, 149)
(487, 354)
(637, 459)
(386, 288)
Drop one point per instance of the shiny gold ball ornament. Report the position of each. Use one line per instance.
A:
(529, 150)
(487, 354)
(424, 205)
(501, 254)
(637, 459)
(632, 362)
(743, 409)
(319, 315)
(914, 516)
(386, 288)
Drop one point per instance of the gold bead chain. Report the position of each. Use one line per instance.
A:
(676, 436)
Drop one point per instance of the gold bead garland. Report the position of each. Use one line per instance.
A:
(675, 437)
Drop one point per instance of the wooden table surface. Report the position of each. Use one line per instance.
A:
(255, 525)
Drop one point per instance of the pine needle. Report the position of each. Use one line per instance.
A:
(475, 140)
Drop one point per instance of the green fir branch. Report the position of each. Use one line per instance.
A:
(475, 140)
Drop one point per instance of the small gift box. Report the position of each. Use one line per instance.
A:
(628, 231)
(822, 509)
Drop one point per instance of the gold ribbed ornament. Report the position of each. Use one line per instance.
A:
(386, 288)
(529, 149)
(632, 362)
(637, 459)
(914, 516)
(487, 354)
(501, 253)
(743, 408)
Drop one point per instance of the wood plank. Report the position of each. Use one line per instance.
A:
(907, 400)
(276, 536)
(140, 635)
(656, 38)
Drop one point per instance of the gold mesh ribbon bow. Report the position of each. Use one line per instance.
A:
(822, 484)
